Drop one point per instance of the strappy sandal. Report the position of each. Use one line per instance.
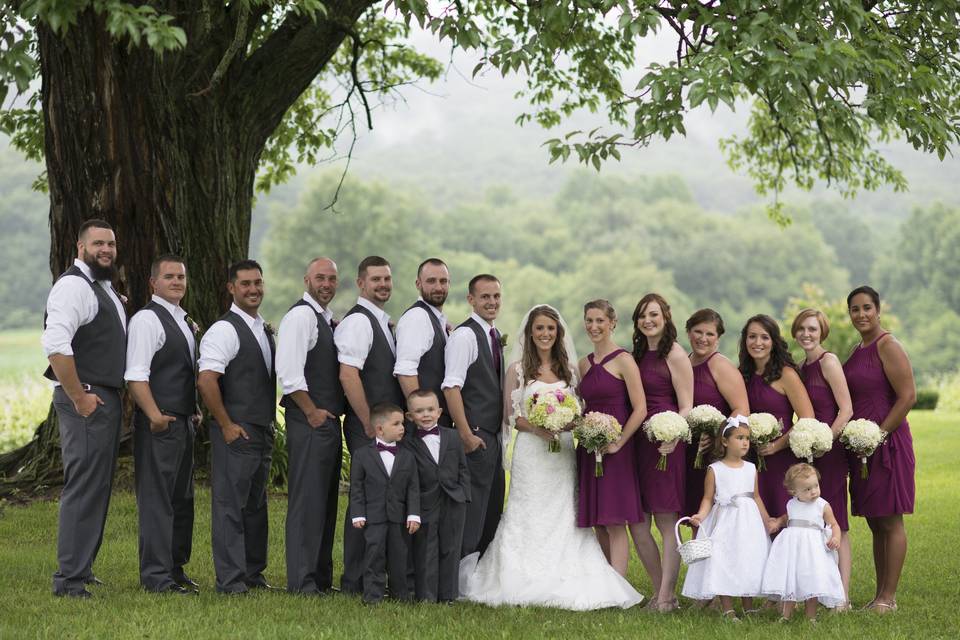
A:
(668, 606)
(882, 607)
(730, 616)
(846, 607)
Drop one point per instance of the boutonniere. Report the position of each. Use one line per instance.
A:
(194, 327)
(268, 329)
(503, 340)
(123, 298)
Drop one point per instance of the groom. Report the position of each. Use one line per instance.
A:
(473, 388)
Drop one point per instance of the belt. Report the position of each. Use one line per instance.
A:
(806, 524)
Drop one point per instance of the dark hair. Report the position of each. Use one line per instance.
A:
(483, 277)
(242, 265)
(601, 305)
(93, 223)
(640, 343)
(706, 315)
(383, 410)
(371, 261)
(437, 262)
(779, 353)
(558, 352)
(164, 257)
(422, 393)
(719, 449)
(870, 291)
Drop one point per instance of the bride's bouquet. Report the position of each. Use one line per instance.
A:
(810, 438)
(666, 426)
(862, 437)
(552, 410)
(704, 419)
(593, 432)
(764, 428)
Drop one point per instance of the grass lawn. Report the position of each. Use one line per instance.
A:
(21, 354)
(929, 592)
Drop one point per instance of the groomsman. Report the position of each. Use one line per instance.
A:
(367, 354)
(161, 376)
(239, 387)
(422, 335)
(84, 338)
(473, 387)
(313, 401)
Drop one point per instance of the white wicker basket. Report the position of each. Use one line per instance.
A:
(693, 550)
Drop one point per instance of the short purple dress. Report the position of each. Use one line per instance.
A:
(833, 464)
(613, 498)
(765, 399)
(660, 491)
(890, 488)
(705, 391)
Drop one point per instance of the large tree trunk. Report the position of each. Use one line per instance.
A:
(167, 158)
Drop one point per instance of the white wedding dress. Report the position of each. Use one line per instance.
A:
(539, 556)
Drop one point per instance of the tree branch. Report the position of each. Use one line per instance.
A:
(240, 37)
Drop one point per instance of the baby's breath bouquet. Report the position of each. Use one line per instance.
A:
(666, 426)
(704, 419)
(862, 437)
(553, 411)
(810, 438)
(593, 432)
(764, 428)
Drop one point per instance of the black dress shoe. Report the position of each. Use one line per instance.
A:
(76, 593)
(263, 585)
(180, 591)
(187, 583)
(329, 591)
(94, 580)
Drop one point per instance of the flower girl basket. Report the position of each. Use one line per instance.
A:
(693, 550)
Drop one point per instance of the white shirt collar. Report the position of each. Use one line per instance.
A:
(253, 323)
(483, 323)
(378, 313)
(436, 312)
(316, 305)
(85, 268)
(175, 310)
(385, 443)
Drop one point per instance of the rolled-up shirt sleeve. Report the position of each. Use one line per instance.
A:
(414, 338)
(298, 335)
(70, 305)
(461, 352)
(219, 346)
(353, 337)
(145, 336)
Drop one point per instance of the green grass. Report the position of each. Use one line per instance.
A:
(928, 597)
(21, 355)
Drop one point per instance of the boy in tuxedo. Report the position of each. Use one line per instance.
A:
(444, 492)
(385, 503)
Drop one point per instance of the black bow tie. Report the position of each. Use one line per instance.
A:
(389, 448)
(423, 433)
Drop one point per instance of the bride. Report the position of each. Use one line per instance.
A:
(539, 556)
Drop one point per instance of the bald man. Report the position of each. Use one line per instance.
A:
(313, 400)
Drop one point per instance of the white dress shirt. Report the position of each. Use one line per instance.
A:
(433, 444)
(462, 351)
(415, 337)
(221, 344)
(388, 459)
(70, 305)
(354, 335)
(146, 336)
(298, 335)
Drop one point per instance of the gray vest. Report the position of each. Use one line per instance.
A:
(100, 346)
(379, 385)
(249, 393)
(173, 381)
(430, 372)
(482, 391)
(321, 369)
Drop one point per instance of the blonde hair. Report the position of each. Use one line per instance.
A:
(811, 313)
(798, 472)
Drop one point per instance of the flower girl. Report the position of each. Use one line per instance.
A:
(733, 517)
(802, 565)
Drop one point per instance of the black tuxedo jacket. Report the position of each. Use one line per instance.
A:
(449, 476)
(378, 497)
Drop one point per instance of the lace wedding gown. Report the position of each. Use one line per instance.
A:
(539, 556)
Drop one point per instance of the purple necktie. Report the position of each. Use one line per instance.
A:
(495, 348)
(387, 447)
(423, 433)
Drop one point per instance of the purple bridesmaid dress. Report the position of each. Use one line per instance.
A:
(765, 399)
(833, 464)
(613, 498)
(705, 391)
(660, 491)
(889, 489)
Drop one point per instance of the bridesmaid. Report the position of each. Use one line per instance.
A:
(667, 377)
(882, 388)
(773, 386)
(610, 383)
(716, 382)
(822, 376)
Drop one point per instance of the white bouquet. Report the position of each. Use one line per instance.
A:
(862, 437)
(704, 419)
(553, 411)
(764, 428)
(810, 438)
(593, 432)
(666, 426)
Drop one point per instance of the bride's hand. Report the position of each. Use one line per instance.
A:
(667, 448)
(546, 434)
(570, 426)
